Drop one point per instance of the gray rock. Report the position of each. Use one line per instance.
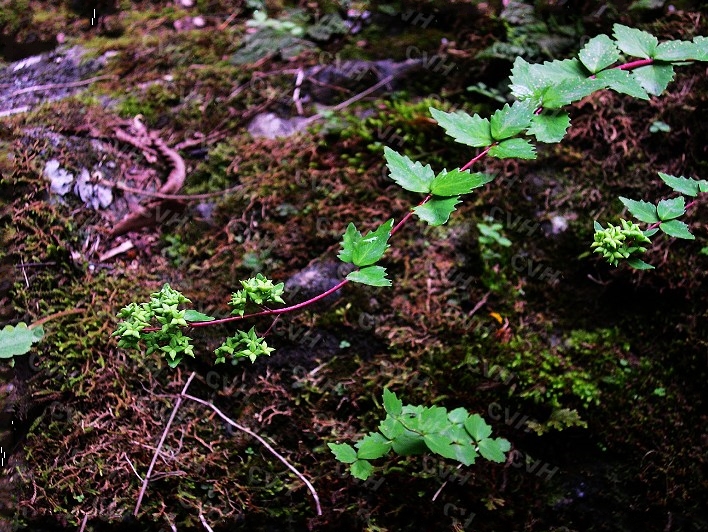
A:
(271, 126)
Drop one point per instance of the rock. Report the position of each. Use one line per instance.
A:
(271, 126)
(314, 280)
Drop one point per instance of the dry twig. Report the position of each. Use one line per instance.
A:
(262, 442)
(146, 481)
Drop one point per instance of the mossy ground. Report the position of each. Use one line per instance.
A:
(609, 365)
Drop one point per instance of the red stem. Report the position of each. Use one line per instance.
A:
(635, 64)
(272, 312)
(627, 66)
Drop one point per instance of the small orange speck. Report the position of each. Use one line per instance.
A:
(496, 316)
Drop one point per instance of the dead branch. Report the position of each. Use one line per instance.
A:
(146, 481)
(262, 442)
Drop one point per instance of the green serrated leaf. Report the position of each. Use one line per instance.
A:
(436, 211)
(528, 82)
(634, 42)
(654, 78)
(433, 419)
(523, 84)
(410, 175)
(549, 128)
(553, 72)
(343, 452)
(392, 404)
(372, 446)
(511, 120)
(391, 428)
(677, 51)
(440, 444)
(641, 210)
(514, 148)
(370, 275)
(639, 264)
(596, 225)
(350, 238)
(361, 469)
(491, 449)
(683, 185)
(473, 131)
(18, 340)
(465, 453)
(701, 43)
(455, 182)
(567, 92)
(599, 53)
(193, 315)
(477, 427)
(623, 82)
(459, 415)
(669, 209)
(676, 229)
(408, 444)
(365, 250)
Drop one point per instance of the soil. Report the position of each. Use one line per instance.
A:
(126, 163)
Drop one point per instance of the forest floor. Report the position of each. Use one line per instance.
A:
(595, 374)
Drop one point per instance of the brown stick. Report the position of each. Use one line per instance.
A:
(264, 443)
(143, 488)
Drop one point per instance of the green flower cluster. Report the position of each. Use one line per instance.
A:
(162, 309)
(243, 344)
(616, 243)
(258, 290)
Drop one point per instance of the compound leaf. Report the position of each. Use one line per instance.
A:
(459, 415)
(456, 182)
(599, 53)
(569, 91)
(654, 78)
(549, 128)
(19, 339)
(701, 43)
(641, 210)
(410, 175)
(361, 469)
(437, 211)
(440, 444)
(677, 229)
(391, 428)
(372, 446)
(669, 209)
(684, 185)
(511, 120)
(634, 42)
(553, 72)
(465, 453)
(408, 443)
(524, 85)
(434, 419)
(623, 82)
(477, 427)
(677, 51)
(473, 131)
(370, 275)
(494, 449)
(513, 148)
(365, 250)
(392, 404)
(343, 452)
